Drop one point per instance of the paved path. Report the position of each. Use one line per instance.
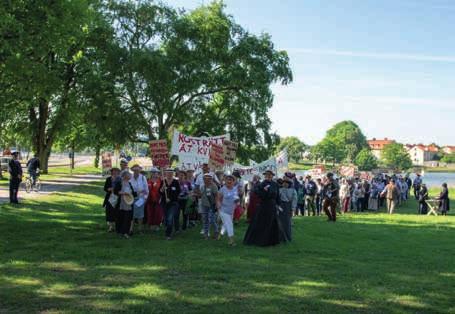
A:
(51, 186)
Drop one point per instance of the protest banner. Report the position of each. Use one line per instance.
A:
(216, 158)
(159, 153)
(229, 152)
(247, 172)
(347, 171)
(282, 162)
(366, 175)
(106, 162)
(194, 150)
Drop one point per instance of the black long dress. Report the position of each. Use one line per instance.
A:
(444, 201)
(265, 229)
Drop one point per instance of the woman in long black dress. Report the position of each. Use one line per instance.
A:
(265, 229)
(444, 205)
(111, 212)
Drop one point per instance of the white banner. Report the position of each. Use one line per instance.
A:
(192, 149)
(247, 172)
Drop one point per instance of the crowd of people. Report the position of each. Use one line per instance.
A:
(177, 199)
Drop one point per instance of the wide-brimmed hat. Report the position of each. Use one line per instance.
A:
(169, 170)
(209, 175)
(155, 170)
(128, 199)
(136, 166)
(269, 171)
(115, 169)
(123, 161)
(14, 152)
(287, 179)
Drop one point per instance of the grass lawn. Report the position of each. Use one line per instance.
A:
(56, 257)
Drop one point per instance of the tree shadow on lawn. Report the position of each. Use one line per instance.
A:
(61, 259)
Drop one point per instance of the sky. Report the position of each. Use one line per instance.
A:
(388, 65)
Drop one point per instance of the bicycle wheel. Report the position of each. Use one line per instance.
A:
(28, 186)
(38, 185)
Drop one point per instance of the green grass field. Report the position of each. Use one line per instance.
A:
(56, 257)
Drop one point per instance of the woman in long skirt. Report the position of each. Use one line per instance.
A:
(111, 212)
(154, 210)
(288, 204)
(265, 229)
(444, 200)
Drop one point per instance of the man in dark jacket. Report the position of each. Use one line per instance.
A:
(15, 177)
(32, 167)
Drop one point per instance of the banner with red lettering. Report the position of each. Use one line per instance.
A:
(216, 158)
(191, 149)
(348, 171)
(159, 153)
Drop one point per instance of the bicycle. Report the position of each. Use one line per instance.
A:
(29, 184)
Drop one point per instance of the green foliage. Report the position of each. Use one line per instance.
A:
(294, 146)
(449, 158)
(197, 71)
(395, 156)
(342, 143)
(365, 160)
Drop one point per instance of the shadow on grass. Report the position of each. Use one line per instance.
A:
(56, 256)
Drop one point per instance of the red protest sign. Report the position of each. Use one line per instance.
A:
(159, 153)
(216, 157)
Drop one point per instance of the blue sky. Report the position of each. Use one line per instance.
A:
(389, 65)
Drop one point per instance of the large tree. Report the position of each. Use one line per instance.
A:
(395, 156)
(294, 146)
(45, 42)
(365, 160)
(342, 143)
(198, 71)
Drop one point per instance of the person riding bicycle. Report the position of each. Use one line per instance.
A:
(33, 166)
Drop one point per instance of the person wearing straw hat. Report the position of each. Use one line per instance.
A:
(170, 191)
(265, 229)
(126, 195)
(288, 204)
(140, 186)
(15, 177)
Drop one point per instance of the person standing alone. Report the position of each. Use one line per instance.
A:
(15, 177)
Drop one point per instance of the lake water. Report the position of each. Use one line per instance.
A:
(432, 179)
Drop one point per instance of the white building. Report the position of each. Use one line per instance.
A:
(420, 154)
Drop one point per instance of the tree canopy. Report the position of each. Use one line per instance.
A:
(343, 142)
(107, 72)
(294, 146)
(365, 160)
(395, 156)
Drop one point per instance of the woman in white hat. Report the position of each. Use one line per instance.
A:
(125, 204)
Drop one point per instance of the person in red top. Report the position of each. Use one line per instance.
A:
(154, 210)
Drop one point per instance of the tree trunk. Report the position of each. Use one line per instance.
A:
(97, 156)
(43, 155)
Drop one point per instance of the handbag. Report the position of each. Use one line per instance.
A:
(113, 199)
